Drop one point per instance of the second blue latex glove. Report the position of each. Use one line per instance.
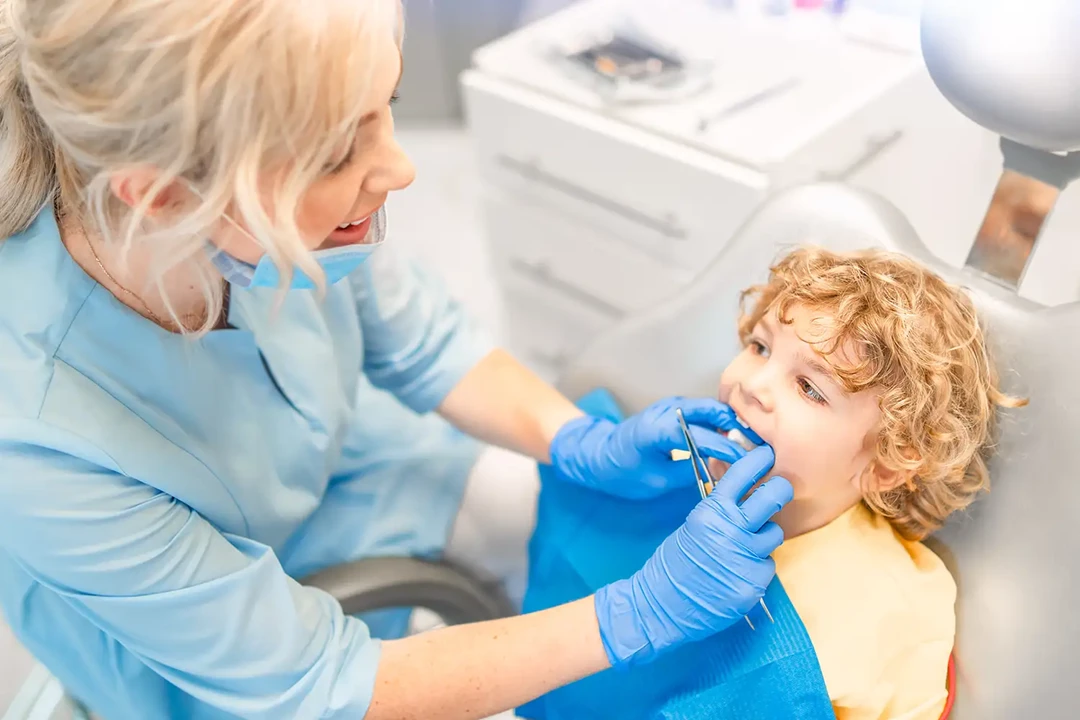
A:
(704, 577)
(632, 459)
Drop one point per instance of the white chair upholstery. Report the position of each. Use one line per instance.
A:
(1018, 641)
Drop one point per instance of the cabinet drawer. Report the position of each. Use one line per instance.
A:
(544, 324)
(674, 203)
(858, 140)
(580, 261)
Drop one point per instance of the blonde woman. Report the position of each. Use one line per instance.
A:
(216, 379)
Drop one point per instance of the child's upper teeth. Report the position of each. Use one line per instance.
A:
(736, 436)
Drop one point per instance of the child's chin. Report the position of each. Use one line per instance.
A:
(717, 468)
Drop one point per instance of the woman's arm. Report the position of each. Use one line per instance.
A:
(703, 578)
(214, 615)
(420, 345)
(475, 671)
(502, 402)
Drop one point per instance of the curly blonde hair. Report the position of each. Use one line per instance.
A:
(918, 342)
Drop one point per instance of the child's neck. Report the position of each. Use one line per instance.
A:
(804, 515)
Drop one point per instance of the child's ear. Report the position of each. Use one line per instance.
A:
(884, 479)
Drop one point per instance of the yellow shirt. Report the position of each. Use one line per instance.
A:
(881, 614)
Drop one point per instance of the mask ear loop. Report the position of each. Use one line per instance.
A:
(234, 270)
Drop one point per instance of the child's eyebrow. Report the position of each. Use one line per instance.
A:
(766, 324)
(820, 366)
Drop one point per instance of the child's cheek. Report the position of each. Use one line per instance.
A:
(717, 468)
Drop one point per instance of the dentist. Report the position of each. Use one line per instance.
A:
(214, 378)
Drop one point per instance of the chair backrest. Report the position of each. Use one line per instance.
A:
(1010, 553)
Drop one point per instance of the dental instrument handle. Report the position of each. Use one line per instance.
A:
(702, 474)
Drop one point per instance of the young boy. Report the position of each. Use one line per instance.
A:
(870, 378)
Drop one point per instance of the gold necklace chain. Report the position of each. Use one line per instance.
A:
(152, 315)
(167, 324)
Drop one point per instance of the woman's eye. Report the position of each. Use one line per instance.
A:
(341, 164)
(811, 392)
(394, 98)
(758, 348)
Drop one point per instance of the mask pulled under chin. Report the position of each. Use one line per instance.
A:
(337, 263)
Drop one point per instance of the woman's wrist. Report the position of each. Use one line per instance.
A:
(553, 423)
(502, 402)
(475, 671)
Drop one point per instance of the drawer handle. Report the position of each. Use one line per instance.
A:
(541, 273)
(668, 226)
(874, 148)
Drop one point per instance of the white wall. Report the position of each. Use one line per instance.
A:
(440, 36)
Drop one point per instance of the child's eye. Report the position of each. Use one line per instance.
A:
(811, 392)
(758, 348)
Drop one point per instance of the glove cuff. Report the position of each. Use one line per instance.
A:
(621, 629)
(566, 447)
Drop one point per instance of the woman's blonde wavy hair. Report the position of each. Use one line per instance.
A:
(919, 343)
(217, 94)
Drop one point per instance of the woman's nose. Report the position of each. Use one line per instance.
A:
(394, 171)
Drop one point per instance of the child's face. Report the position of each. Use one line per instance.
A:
(823, 436)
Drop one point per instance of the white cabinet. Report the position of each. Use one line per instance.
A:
(593, 211)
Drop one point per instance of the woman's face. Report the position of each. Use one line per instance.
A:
(356, 184)
(823, 436)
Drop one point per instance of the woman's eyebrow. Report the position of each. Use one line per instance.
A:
(401, 69)
(401, 73)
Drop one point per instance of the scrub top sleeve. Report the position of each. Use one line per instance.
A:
(418, 341)
(213, 614)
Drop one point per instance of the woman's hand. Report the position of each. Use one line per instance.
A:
(632, 459)
(704, 577)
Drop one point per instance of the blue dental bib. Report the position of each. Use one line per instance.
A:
(585, 540)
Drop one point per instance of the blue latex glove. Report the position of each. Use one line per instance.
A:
(632, 459)
(705, 576)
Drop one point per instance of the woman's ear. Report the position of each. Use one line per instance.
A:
(132, 186)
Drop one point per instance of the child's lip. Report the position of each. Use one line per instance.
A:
(748, 432)
(744, 435)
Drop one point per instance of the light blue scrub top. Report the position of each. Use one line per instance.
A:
(158, 494)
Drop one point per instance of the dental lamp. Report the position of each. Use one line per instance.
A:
(1013, 67)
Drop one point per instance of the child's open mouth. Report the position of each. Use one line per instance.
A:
(746, 438)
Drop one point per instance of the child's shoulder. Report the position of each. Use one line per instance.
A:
(873, 604)
(862, 556)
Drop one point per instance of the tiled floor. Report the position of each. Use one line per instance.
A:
(438, 220)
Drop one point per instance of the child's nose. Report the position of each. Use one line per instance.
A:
(757, 389)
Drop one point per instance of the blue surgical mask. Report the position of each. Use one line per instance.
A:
(337, 262)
